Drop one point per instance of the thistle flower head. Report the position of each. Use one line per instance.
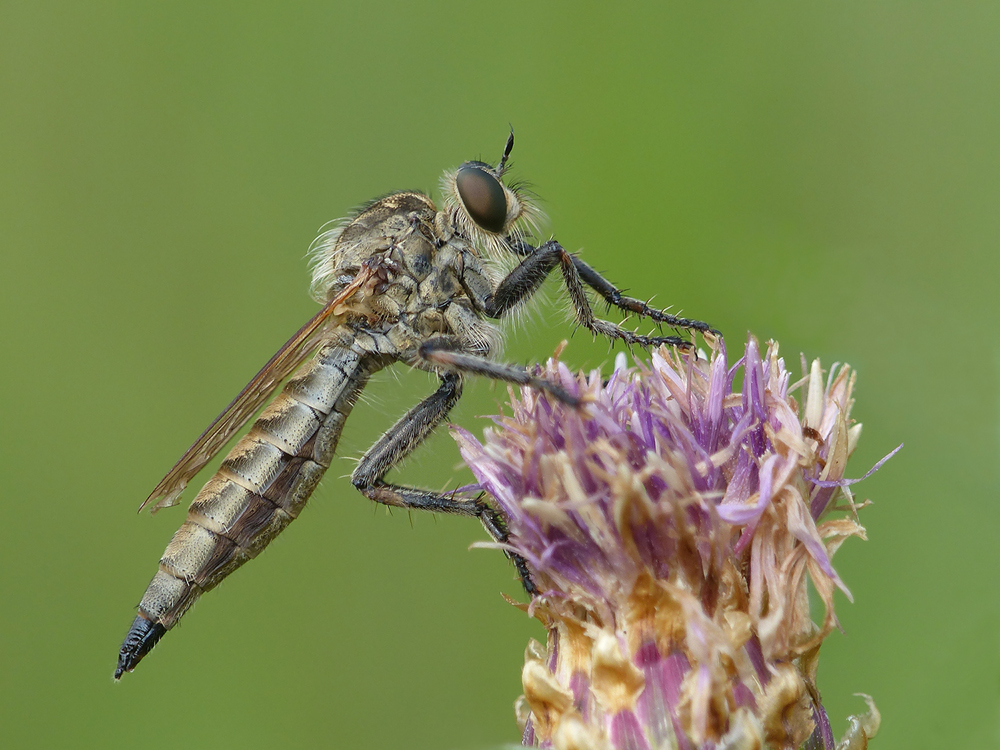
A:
(672, 526)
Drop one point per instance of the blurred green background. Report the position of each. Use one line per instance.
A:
(825, 174)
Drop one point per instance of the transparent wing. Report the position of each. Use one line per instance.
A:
(295, 351)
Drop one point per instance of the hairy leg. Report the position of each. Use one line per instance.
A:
(521, 283)
(401, 440)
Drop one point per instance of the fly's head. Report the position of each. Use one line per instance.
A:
(484, 209)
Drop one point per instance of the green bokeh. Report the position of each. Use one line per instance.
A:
(823, 174)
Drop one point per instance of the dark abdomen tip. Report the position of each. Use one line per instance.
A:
(142, 636)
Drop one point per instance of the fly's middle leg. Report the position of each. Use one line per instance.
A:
(445, 352)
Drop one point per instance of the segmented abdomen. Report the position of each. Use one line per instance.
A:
(260, 488)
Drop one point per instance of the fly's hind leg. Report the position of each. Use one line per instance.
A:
(496, 527)
(401, 440)
(444, 354)
(412, 429)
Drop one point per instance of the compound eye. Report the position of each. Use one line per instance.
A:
(483, 196)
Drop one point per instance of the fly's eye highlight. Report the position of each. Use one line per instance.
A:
(483, 197)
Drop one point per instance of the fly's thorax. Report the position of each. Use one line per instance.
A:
(392, 216)
(442, 282)
(396, 231)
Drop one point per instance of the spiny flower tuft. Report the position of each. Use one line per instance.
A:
(670, 527)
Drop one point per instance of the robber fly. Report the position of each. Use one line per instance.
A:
(400, 281)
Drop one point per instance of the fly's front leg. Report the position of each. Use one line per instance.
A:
(529, 274)
(614, 296)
